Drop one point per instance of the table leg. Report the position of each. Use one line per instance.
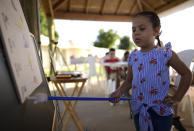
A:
(69, 103)
(73, 107)
(76, 86)
(78, 125)
(54, 121)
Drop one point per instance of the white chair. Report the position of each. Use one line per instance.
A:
(92, 71)
(187, 56)
(109, 84)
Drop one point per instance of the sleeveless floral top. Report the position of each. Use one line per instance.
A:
(150, 83)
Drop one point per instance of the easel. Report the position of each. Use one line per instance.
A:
(56, 51)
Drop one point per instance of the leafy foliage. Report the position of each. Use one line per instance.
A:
(44, 25)
(126, 44)
(106, 39)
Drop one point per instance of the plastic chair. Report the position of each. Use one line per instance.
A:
(109, 84)
(92, 71)
(187, 56)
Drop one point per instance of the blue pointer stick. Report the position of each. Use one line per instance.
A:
(84, 98)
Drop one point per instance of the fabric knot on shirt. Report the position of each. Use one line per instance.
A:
(145, 118)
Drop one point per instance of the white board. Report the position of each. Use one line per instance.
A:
(19, 47)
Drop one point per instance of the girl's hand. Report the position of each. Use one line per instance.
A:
(116, 94)
(170, 100)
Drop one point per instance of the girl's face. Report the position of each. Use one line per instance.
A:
(143, 32)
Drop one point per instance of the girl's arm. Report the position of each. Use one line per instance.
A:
(185, 81)
(126, 85)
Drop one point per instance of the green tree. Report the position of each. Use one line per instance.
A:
(126, 44)
(44, 25)
(106, 39)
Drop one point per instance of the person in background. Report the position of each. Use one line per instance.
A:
(148, 76)
(125, 56)
(124, 75)
(105, 57)
(112, 72)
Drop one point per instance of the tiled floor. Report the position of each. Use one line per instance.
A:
(101, 116)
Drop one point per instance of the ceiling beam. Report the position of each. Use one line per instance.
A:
(132, 7)
(102, 7)
(118, 7)
(86, 6)
(140, 5)
(163, 1)
(95, 17)
(46, 7)
(58, 4)
(69, 6)
(169, 5)
(147, 4)
(51, 9)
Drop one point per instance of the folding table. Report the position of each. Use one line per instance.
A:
(70, 105)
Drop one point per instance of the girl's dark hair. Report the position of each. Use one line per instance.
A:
(154, 19)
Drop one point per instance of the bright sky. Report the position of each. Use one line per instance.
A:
(84, 33)
(178, 28)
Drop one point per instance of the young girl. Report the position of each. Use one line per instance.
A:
(148, 76)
